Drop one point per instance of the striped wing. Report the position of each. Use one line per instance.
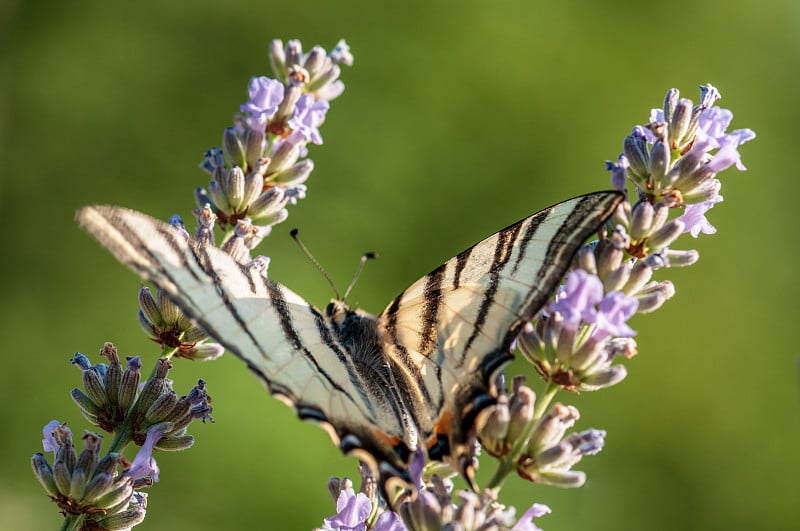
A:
(453, 328)
(284, 340)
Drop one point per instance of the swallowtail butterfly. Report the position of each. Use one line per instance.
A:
(415, 376)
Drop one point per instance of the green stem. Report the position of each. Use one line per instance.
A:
(508, 464)
(73, 523)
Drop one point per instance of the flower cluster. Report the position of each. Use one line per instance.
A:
(575, 341)
(87, 487)
(260, 169)
(261, 166)
(432, 509)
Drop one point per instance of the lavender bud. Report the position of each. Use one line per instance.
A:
(123, 520)
(639, 276)
(635, 149)
(120, 493)
(154, 387)
(493, 433)
(286, 107)
(44, 473)
(653, 295)
(77, 485)
(296, 174)
(665, 235)
(641, 219)
(232, 148)
(175, 443)
(93, 384)
(616, 279)
(670, 102)
(294, 53)
(679, 123)
(551, 427)
(612, 375)
(235, 191)
(97, 487)
(218, 196)
(659, 161)
(315, 60)
(148, 307)
(705, 191)
(162, 406)
(610, 259)
(253, 187)
(284, 154)
(62, 477)
(324, 78)
(86, 405)
(113, 373)
(677, 258)
(254, 144)
(130, 383)
(277, 59)
(521, 409)
(268, 203)
(585, 260)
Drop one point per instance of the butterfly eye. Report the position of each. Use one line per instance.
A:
(331, 309)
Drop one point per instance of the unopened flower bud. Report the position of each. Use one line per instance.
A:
(277, 58)
(653, 295)
(665, 235)
(232, 148)
(44, 473)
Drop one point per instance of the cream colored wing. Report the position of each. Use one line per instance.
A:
(452, 330)
(284, 340)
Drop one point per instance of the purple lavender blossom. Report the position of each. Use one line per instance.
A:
(614, 310)
(711, 132)
(389, 521)
(694, 217)
(144, 464)
(309, 113)
(49, 442)
(618, 172)
(352, 512)
(265, 96)
(525, 523)
(577, 298)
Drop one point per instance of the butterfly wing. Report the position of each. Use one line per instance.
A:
(451, 331)
(284, 340)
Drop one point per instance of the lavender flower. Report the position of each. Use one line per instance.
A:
(525, 522)
(613, 312)
(694, 217)
(309, 114)
(144, 465)
(576, 302)
(265, 96)
(352, 511)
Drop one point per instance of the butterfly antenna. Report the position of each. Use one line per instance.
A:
(294, 233)
(364, 258)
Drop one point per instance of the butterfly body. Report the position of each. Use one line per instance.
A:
(418, 375)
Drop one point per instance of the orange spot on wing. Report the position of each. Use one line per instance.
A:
(391, 440)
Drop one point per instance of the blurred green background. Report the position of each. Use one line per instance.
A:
(458, 119)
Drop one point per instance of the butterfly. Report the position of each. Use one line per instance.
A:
(416, 376)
